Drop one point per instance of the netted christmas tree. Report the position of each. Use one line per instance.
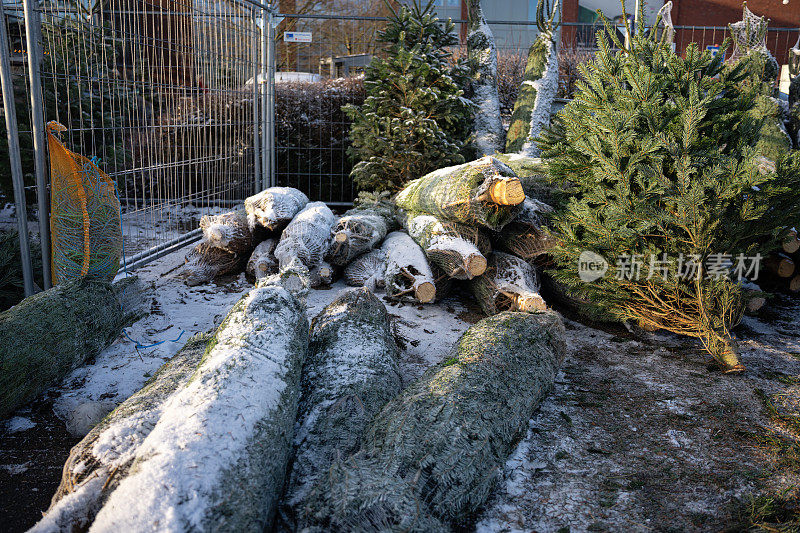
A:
(415, 118)
(657, 154)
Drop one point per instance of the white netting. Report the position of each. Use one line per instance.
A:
(749, 34)
(794, 59)
(665, 30)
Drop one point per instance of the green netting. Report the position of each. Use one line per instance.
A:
(85, 225)
(431, 456)
(532, 173)
(509, 284)
(461, 194)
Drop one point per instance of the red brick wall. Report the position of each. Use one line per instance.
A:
(723, 12)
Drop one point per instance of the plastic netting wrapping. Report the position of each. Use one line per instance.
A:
(408, 275)
(485, 192)
(459, 250)
(367, 270)
(350, 373)
(273, 208)
(262, 261)
(206, 262)
(750, 38)
(665, 28)
(84, 215)
(431, 457)
(532, 174)
(307, 237)
(229, 231)
(509, 284)
(359, 230)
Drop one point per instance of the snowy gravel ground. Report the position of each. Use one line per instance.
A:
(640, 434)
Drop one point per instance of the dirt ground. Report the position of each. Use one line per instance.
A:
(641, 433)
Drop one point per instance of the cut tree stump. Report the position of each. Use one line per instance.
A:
(485, 192)
(47, 335)
(509, 284)
(262, 261)
(459, 250)
(408, 275)
(359, 230)
(779, 265)
(430, 457)
(229, 231)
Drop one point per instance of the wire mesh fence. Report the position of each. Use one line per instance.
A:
(174, 97)
(161, 93)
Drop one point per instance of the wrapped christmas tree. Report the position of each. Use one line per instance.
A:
(459, 250)
(484, 192)
(539, 86)
(360, 229)
(656, 154)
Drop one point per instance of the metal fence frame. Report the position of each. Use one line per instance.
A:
(266, 149)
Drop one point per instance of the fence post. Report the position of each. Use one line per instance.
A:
(271, 95)
(33, 32)
(14, 155)
(265, 148)
(256, 125)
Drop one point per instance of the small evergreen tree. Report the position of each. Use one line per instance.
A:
(415, 118)
(656, 155)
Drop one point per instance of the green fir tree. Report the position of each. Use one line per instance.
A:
(657, 156)
(415, 118)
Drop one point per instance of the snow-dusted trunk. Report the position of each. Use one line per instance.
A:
(459, 250)
(205, 262)
(359, 231)
(536, 94)
(49, 334)
(273, 208)
(482, 56)
(262, 261)
(484, 192)
(307, 236)
(408, 275)
(432, 454)
(509, 284)
(350, 373)
(205, 446)
(229, 231)
(98, 463)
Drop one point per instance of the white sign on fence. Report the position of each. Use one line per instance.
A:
(297, 36)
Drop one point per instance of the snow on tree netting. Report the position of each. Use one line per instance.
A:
(273, 208)
(307, 237)
(509, 284)
(84, 215)
(432, 454)
(483, 192)
(359, 230)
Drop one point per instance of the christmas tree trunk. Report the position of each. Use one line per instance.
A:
(262, 261)
(484, 192)
(307, 236)
(90, 476)
(532, 174)
(47, 335)
(351, 372)
(459, 250)
(359, 231)
(539, 87)
(273, 208)
(206, 262)
(201, 465)
(408, 275)
(367, 270)
(487, 125)
(509, 284)
(502, 367)
(229, 231)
